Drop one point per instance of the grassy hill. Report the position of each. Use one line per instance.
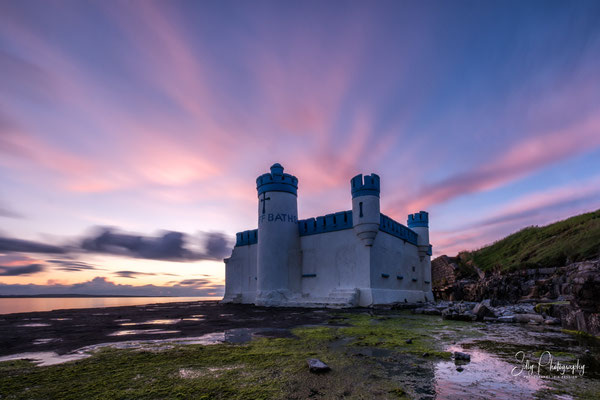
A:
(554, 245)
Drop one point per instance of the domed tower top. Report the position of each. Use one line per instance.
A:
(277, 181)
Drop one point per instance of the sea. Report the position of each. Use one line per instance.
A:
(9, 305)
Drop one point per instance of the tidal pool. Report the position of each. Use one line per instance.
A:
(370, 350)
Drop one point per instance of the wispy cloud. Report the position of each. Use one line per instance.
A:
(525, 157)
(102, 286)
(24, 270)
(27, 246)
(72, 265)
(532, 209)
(171, 246)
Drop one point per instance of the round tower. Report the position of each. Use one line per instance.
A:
(365, 207)
(278, 236)
(419, 222)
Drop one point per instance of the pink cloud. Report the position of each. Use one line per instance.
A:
(522, 159)
(531, 209)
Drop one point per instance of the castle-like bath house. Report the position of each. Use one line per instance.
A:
(349, 258)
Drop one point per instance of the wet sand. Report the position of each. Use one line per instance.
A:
(63, 331)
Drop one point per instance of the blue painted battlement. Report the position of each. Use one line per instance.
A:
(327, 223)
(277, 181)
(369, 186)
(246, 238)
(420, 219)
(394, 228)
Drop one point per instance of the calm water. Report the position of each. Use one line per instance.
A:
(19, 305)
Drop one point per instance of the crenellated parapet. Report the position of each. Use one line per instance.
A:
(277, 181)
(246, 238)
(398, 230)
(370, 186)
(327, 223)
(420, 219)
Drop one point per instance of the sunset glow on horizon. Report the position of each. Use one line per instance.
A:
(155, 118)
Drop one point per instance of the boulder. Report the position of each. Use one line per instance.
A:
(483, 310)
(460, 356)
(525, 318)
(506, 318)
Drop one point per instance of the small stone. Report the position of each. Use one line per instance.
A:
(460, 369)
(425, 354)
(408, 341)
(552, 321)
(459, 355)
(315, 365)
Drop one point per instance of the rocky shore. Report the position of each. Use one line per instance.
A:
(567, 295)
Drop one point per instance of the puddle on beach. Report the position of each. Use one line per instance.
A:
(141, 332)
(485, 376)
(240, 335)
(45, 358)
(46, 340)
(152, 322)
(495, 370)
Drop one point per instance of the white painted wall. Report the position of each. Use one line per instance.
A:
(395, 257)
(278, 246)
(339, 260)
(240, 275)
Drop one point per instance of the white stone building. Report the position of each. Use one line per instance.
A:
(358, 257)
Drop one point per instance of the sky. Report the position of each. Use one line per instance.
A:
(132, 132)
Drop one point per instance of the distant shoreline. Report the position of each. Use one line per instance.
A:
(27, 296)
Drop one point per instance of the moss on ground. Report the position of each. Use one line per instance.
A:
(264, 368)
(393, 333)
(580, 334)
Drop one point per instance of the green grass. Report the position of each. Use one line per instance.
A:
(571, 240)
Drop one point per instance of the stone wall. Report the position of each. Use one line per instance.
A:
(443, 273)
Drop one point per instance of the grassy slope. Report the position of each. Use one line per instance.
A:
(554, 245)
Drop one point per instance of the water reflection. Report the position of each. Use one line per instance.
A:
(19, 305)
(152, 322)
(485, 376)
(141, 332)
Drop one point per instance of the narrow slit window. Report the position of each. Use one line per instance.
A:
(361, 211)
